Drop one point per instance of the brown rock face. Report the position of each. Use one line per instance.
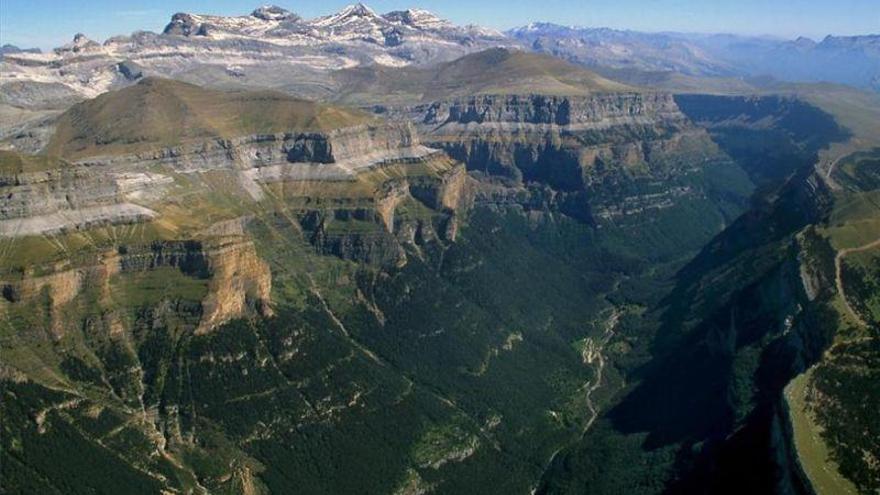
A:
(240, 283)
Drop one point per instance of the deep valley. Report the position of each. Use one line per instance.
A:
(496, 271)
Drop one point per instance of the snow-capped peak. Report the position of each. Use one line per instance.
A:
(265, 44)
(417, 18)
(357, 9)
(351, 13)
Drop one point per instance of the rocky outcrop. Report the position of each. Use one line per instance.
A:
(239, 281)
(39, 193)
(377, 234)
(59, 287)
(553, 139)
(240, 284)
(450, 193)
(75, 219)
(371, 247)
(70, 198)
(73, 198)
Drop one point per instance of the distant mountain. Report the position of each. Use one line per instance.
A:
(270, 47)
(853, 60)
(8, 49)
(354, 23)
(620, 49)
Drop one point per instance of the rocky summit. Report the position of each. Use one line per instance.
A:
(384, 253)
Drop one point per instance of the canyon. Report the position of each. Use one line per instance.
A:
(484, 269)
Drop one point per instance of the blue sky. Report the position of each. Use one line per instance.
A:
(49, 23)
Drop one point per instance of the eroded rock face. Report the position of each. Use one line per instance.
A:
(596, 111)
(552, 139)
(588, 150)
(239, 281)
(70, 198)
(367, 227)
(240, 284)
(384, 237)
(121, 188)
(351, 147)
(38, 193)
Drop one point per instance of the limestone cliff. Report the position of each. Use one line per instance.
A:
(349, 147)
(127, 188)
(238, 281)
(591, 150)
(406, 212)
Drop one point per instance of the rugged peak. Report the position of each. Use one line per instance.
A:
(351, 13)
(417, 18)
(358, 9)
(80, 43)
(261, 44)
(183, 24)
(274, 13)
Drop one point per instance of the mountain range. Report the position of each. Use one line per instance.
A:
(270, 47)
(275, 48)
(853, 60)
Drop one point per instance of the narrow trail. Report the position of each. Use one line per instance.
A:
(830, 170)
(593, 352)
(838, 276)
(827, 164)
